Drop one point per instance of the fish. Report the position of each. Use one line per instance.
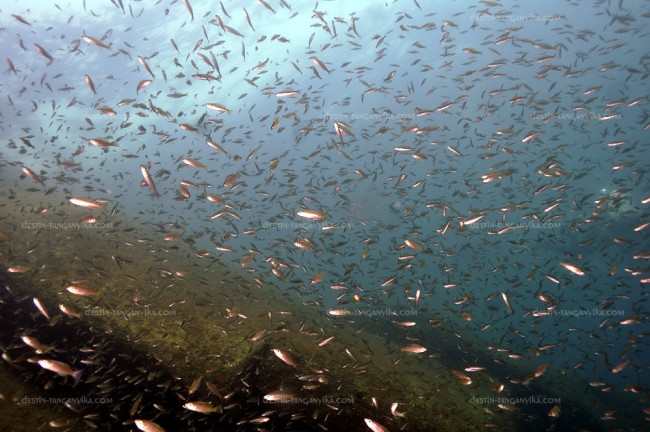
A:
(216, 146)
(148, 426)
(555, 411)
(100, 142)
(149, 180)
(188, 6)
(506, 300)
(530, 136)
(202, 407)
(94, 41)
(20, 19)
(325, 341)
(339, 312)
(87, 203)
(413, 349)
(374, 426)
(193, 163)
(217, 107)
(320, 64)
(68, 311)
(391, 178)
(81, 290)
(312, 214)
(413, 245)
(41, 308)
(38, 347)
(146, 67)
(44, 53)
(32, 175)
(248, 19)
(572, 268)
(286, 358)
(90, 83)
(279, 396)
(266, 5)
(394, 412)
(142, 84)
(619, 367)
(60, 368)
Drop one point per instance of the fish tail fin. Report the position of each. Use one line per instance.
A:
(77, 376)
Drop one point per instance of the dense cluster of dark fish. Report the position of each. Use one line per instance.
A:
(124, 388)
(483, 169)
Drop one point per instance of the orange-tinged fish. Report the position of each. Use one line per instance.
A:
(619, 367)
(229, 180)
(248, 19)
(142, 84)
(285, 358)
(68, 311)
(472, 220)
(339, 312)
(60, 368)
(445, 106)
(405, 323)
(144, 64)
(317, 278)
(393, 410)
(107, 111)
(32, 175)
(311, 214)
(320, 64)
(572, 268)
(41, 308)
(286, 92)
(266, 5)
(412, 244)
(278, 396)
(87, 203)
(172, 236)
(100, 142)
(189, 8)
(413, 349)
(193, 163)
(325, 341)
(38, 347)
(20, 19)
(341, 129)
(90, 83)
(18, 269)
(148, 426)
(215, 146)
(374, 426)
(149, 180)
(44, 53)
(217, 107)
(94, 41)
(81, 290)
(540, 370)
(202, 407)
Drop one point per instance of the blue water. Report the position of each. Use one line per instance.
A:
(507, 69)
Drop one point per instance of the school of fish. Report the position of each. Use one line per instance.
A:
(476, 168)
